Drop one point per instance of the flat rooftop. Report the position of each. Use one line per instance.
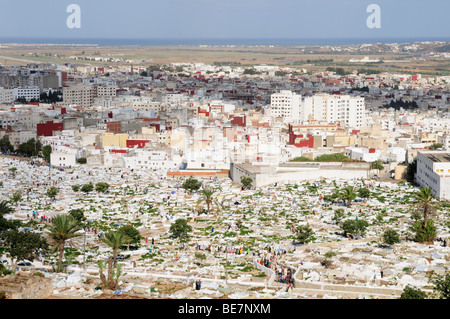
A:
(443, 157)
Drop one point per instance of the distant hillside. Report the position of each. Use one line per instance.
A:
(443, 48)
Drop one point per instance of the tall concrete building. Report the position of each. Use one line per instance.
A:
(345, 109)
(78, 95)
(83, 95)
(285, 104)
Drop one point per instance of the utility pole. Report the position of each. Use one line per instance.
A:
(84, 250)
(226, 266)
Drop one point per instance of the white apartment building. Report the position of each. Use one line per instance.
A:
(286, 104)
(32, 92)
(345, 109)
(433, 170)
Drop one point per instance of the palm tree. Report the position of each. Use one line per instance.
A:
(16, 197)
(423, 199)
(348, 194)
(63, 228)
(4, 208)
(377, 165)
(208, 199)
(115, 239)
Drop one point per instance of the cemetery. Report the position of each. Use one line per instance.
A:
(284, 240)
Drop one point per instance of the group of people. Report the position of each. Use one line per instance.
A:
(42, 218)
(284, 274)
(198, 284)
(231, 250)
(269, 260)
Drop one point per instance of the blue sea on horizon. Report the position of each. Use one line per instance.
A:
(219, 41)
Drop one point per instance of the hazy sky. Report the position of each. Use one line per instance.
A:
(224, 19)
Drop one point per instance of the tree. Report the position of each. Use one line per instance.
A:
(101, 187)
(354, 227)
(87, 188)
(52, 97)
(251, 71)
(411, 170)
(114, 274)
(424, 233)
(442, 286)
(208, 199)
(413, 293)
(5, 224)
(52, 192)
(32, 147)
(81, 160)
(115, 239)
(16, 197)
(191, 184)
(77, 214)
(435, 146)
(303, 234)
(180, 229)
(338, 215)
(23, 245)
(5, 144)
(364, 192)
(63, 228)
(246, 181)
(280, 73)
(4, 208)
(46, 151)
(423, 199)
(21, 100)
(377, 165)
(75, 188)
(391, 237)
(132, 233)
(348, 194)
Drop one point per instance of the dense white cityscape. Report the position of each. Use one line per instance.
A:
(266, 167)
(204, 117)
